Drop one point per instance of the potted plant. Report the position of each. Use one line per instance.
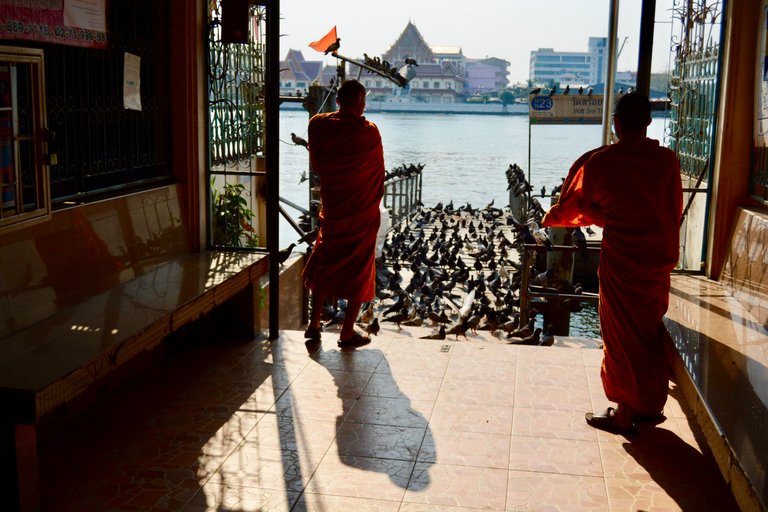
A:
(231, 221)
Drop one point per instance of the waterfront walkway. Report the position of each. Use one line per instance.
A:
(400, 425)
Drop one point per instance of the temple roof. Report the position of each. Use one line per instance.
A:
(410, 44)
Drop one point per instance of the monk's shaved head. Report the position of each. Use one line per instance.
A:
(633, 111)
(350, 92)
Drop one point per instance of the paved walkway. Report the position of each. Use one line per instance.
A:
(401, 425)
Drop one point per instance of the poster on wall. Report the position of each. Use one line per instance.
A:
(761, 128)
(70, 22)
(132, 82)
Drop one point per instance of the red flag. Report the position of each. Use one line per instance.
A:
(324, 42)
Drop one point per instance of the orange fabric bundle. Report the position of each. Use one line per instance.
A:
(346, 153)
(634, 192)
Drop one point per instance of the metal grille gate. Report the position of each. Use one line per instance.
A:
(236, 94)
(694, 92)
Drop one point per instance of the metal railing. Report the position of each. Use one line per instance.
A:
(402, 192)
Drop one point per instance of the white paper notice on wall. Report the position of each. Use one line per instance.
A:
(132, 82)
(87, 14)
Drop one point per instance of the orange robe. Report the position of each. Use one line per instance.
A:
(346, 153)
(634, 192)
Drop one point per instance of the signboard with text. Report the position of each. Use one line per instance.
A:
(70, 22)
(566, 109)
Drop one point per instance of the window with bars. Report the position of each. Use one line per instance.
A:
(23, 173)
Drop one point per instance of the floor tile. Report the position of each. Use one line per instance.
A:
(533, 356)
(397, 425)
(313, 406)
(378, 441)
(476, 392)
(266, 468)
(547, 455)
(552, 374)
(359, 360)
(529, 491)
(426, 507)
(226, 498)
(462, 486)
(632, 494)
(467, 369)
(292, 434)
(326, 503)
(658, 455)
(551, 423)
(414, 387)
(465, 448)
(399, 412)
(564, 398)
(320, 380)
(433, 366)
(492, 419)
(361, 477)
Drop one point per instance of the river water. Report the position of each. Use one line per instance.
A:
(465, 159)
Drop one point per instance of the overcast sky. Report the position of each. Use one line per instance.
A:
(508, 29)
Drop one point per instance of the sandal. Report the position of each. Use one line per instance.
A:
(313, 333)
(357, 340)
(607, 421)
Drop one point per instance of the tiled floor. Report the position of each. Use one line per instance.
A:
(401, 425)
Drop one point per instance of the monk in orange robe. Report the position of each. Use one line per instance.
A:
(632, 189)
(345, 151)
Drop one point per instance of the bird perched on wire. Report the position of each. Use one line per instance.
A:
(333, 46)
(284, 254)
(299, 141)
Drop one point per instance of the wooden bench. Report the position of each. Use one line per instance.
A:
(96, 291)
(719, 330)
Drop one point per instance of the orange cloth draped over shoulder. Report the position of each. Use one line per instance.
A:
(347, 154)
(634, 192)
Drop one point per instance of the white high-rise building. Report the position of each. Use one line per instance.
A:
(588, 67)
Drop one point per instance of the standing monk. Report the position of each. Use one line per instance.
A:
(632, 189)
(346, 153)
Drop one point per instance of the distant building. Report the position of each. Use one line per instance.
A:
(487, 75)
(596, 47)
(440, 72)
(481, 79)
(297, 74)
(444, 74)
(548, 65)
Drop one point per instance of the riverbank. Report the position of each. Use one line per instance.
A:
(435, 108)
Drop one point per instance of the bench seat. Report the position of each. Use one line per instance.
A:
(86, 298)
(51, 362)
(720, 333)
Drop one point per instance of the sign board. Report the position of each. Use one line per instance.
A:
(566, 109)
(70, 22)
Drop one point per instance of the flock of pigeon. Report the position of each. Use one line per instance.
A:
(457, 269)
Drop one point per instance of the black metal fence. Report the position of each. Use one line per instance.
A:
(402, 192)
